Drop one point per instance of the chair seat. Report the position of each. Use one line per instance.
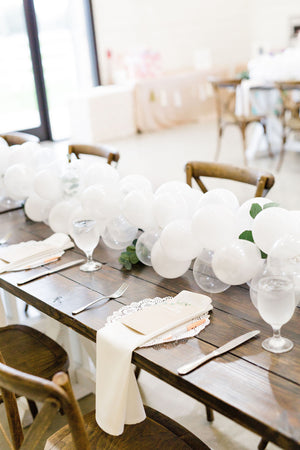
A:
(233, 119)
(155, 432)
(26, 349)
(293, 123)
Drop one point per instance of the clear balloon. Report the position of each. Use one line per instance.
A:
(236, 262)
(214, 226)
(219, 197)
(121, 230)
(243, 217)
(145, 244)
(167, 267)
(113, 243)
(178, 241)
(204, 274)
(269, 226)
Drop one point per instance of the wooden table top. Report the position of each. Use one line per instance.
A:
(257, 389)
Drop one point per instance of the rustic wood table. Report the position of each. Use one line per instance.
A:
(256, 389)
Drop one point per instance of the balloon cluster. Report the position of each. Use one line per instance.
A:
(178, 224)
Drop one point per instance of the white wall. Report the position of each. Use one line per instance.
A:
(178, 28)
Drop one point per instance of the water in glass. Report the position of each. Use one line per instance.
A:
(86, 236)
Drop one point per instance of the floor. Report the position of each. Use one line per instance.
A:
(161, 157)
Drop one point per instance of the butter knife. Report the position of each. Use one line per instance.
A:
(48, 272)
(186, 368)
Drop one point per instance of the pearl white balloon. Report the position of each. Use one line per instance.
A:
(167, 267)
(204, 274)
(59, 216)
(145, 244)
(103, 174)
(135, 183)
(18, 181)
(214, 226)
(47, 185)
(243, 218)
(237, 262)
(178, 242)
(167, 207)
(219, 197)
(137, 207)
(37, 208)
(270, 225)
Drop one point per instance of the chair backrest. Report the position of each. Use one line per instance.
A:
(55, 395)
(225, 94)
(104, 151)
(18, 138)
(287, 90)
(262, 180)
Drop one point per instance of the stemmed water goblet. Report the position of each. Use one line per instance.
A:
(86, 236)
(276, 305)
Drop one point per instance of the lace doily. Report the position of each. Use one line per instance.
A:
(165, 337)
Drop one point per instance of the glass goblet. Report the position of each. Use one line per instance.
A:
(276, 305)
(86, 236)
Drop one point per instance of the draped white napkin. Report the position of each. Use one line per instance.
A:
(25, 255)
(118, 400)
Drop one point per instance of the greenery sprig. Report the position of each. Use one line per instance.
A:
(128, 258)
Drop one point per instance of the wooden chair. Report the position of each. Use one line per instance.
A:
(18, 138)
(225, 94)
(82, 433)
(104, 151)
(196, 169)
(25, 348)
(289, 116)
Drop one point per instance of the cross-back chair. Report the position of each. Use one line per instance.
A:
(225, 94)
(261, 179)
(18, 138)
(82, 433)
(289, 115)
(105, 151)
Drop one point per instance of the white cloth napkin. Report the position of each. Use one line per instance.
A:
(118, 400)
(31, 254)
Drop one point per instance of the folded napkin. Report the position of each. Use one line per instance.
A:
(118, 400)
(26, 255)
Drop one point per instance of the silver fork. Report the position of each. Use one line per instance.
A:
(104, 299)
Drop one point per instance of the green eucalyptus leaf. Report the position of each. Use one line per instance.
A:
(128, 266)
(247, 236)
(255, 209)
(270, 205)
(133, 258)
(130, 248)
(134, 242)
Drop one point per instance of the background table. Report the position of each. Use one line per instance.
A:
(257, 389)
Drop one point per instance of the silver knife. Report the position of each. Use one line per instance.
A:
(186, 368)
(48, 272)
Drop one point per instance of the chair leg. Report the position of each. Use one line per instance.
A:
(262, 444)
(271, 154)
(243, 131)
(220, 133)
(281, 155)
(209, 414)
(137, 372)
(32, 407)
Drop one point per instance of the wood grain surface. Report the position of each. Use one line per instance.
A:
(257, 389)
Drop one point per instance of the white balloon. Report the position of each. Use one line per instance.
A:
(18, 181)
(269, 226)
(17, 155)
(173, 187)
(168, 207)
(219, 197)
(113, 243)
(178, 242)
(121, 230)
(4, 158)
(59, 216)
(167, 267)
(135, 183)
(145, 244)
(137, 207)
(101, 200)
(3, 142)
(103, 174)
(237, 262)
(204, 275)
(244, 220)
(47, 185)
(214, 226)
(37, 208)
